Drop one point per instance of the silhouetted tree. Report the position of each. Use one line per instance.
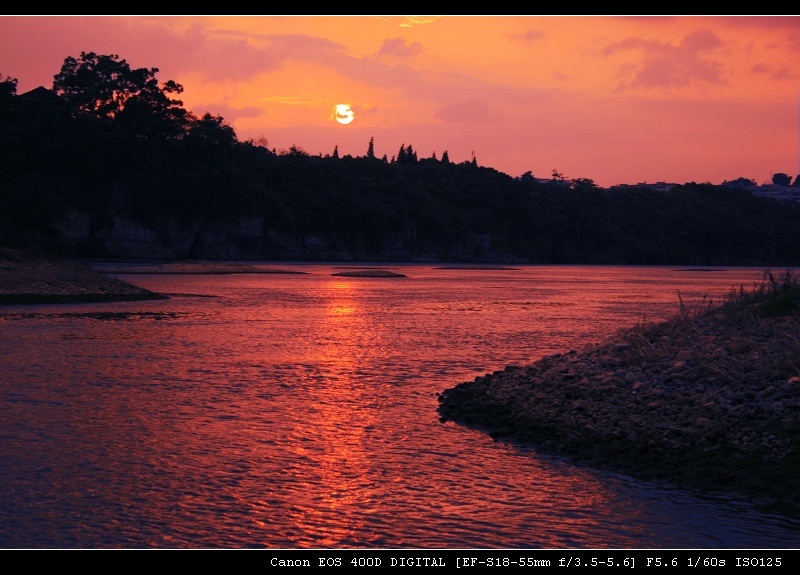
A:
(371, 149)
(406, 155)
(583, 184)
(445, 157)
(294, 151)
(336, 152)
(152, 113)
(107, 87)
(781, 179)
(741, 182)
(212, 131)
(8, 87)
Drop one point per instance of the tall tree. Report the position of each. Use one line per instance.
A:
(107, 87)
(406, 155)
(371, 149)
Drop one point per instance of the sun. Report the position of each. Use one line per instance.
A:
(343, 114)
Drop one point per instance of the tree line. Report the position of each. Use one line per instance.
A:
(109, 139)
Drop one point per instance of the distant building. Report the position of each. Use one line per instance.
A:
(785, 193)
(41, 100)
(656, 187)
(41, 95)
(774, 191)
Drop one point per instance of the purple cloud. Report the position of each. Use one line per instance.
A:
(530, 35)
(664, 65)
(776, 74)
(471, 111)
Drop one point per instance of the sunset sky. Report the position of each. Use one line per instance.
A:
(611, 98)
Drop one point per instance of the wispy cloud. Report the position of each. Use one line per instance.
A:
(529, 36)
(399, 48)
(300, 99)
(411, 21)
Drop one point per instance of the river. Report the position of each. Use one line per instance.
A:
(297, 411)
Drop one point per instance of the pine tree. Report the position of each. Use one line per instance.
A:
(336, 152)
(371, 149)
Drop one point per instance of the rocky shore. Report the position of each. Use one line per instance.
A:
(708, 401)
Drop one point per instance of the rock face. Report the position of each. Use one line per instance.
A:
(710, 402)
(120, 235)
(115, 232)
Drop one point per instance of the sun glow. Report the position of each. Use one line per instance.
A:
(343, 114)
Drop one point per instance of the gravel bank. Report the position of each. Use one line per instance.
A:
(707, 401)
(27, 278)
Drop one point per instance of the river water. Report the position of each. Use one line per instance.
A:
(296, 411)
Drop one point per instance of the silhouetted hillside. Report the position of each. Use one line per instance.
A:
(165, 183)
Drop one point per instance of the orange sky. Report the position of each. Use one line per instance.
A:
(615, 99)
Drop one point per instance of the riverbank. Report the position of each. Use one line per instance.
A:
(34, 278)
(708, 401)
(29, 277)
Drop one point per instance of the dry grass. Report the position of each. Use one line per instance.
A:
(761, 320)
(774, 296)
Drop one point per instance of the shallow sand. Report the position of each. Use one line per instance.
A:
(214, 268)
(30, 278)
